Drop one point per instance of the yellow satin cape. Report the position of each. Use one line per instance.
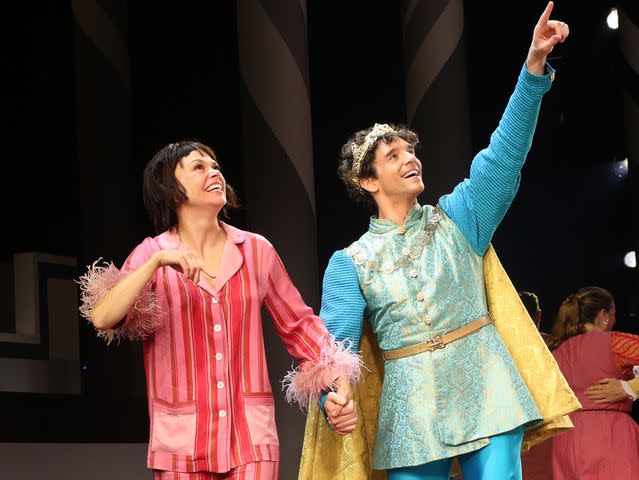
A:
(329, 456)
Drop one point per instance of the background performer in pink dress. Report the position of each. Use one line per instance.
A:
(605, 440)
(194, 294)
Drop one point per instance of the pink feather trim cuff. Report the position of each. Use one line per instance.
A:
(142, 319)
(308, 381)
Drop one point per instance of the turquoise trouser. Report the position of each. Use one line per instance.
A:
(499, 460)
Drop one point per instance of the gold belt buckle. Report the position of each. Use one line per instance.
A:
(435, 344)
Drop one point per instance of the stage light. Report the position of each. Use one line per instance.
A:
(630, 259)
(613, 19)
(621, 169)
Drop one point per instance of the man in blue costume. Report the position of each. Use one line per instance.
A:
(451, 388)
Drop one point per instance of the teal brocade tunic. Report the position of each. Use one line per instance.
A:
(428, 281)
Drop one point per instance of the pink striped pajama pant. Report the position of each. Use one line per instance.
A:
(264, 470)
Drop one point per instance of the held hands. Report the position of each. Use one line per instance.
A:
(189, 263)
(546, 35)
(609, 390)
(341, 409)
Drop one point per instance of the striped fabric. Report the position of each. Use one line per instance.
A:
(210, 400)
(250, 471)
(625, 350)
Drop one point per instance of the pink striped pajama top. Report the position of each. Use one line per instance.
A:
(210, 402)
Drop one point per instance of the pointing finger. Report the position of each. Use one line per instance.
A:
(546, 15)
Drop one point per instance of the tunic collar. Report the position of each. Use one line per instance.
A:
(385, 225)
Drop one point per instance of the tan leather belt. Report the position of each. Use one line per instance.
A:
(438, 342)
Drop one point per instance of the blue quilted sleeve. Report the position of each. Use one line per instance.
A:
(342, 303)
(478, 204)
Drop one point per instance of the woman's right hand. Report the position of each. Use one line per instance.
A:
(188, 263)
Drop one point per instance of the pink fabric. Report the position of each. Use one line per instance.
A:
(306, 383)
(605, 440)
(251, 471)
(98, 280)
(260, 416)
(208, 351)
(174, 428)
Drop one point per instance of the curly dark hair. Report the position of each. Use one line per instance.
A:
(360, 196)
(163, 192)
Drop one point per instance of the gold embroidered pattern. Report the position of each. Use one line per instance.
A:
(409, 254)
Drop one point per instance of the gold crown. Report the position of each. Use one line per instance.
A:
(360, 151)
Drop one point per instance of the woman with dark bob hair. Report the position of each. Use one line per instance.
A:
(605, 440)
(193, 294)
